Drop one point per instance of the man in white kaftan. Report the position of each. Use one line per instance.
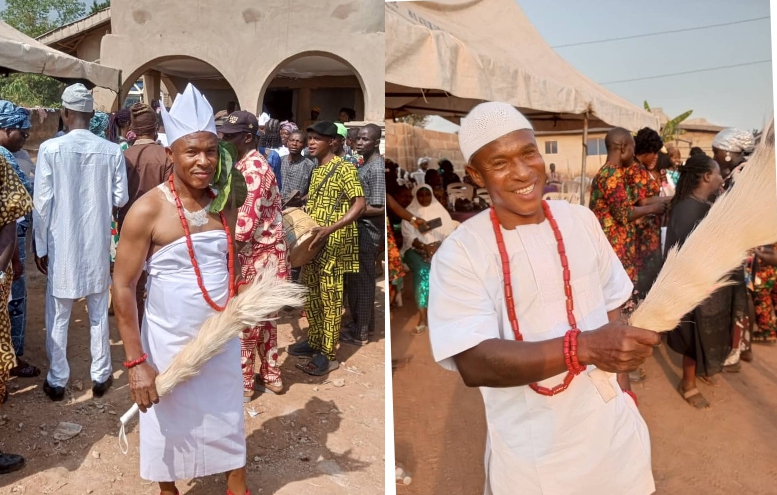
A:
(198, 429)
(79, 179)
(572, 443)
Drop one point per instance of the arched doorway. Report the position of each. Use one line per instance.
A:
(163, 78)
(312, 80)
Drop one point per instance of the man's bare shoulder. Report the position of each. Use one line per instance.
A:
(148, 206)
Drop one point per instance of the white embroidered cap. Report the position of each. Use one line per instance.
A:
(77, 98)
(264, 118)
(190, 113)
(488, 122)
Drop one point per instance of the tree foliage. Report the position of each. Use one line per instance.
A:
(98, 6)
(34, 18)
(414, 120)
(31, 90)
(671, 130)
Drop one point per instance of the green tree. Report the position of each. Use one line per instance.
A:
(671, 130)
(34, 18)
(98, 6)
(414, 119)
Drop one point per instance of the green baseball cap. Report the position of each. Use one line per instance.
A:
(341, 130)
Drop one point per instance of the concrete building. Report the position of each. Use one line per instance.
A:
(285, 58)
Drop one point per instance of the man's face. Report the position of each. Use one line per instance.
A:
(319, 145)
(344, 117)
(339, 142)
(196, 157)
(627, 151)
(511, 168)
(365, 143)
(238, 139)
(13, 139)
(424, 165)
(295, 143)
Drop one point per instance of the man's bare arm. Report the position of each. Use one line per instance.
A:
(374, 211)
(615, 347)
(130, 257)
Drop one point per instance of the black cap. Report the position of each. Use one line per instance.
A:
(324, 127)
(240, 121)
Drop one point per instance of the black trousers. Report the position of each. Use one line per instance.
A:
(360, 290)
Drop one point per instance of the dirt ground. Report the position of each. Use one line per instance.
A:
(316, 438)
(439, 424)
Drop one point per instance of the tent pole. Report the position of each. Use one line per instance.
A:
(585, 158)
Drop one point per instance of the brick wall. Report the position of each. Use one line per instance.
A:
(405, 144)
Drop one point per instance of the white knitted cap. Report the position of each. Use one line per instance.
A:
(488, 122)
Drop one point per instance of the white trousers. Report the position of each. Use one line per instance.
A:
(57, 322)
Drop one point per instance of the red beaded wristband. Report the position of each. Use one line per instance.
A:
(570, 352)
(132, 364)
(578, 368)
(632, 395)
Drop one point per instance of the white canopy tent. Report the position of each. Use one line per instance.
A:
(20, 53)
(443, 59)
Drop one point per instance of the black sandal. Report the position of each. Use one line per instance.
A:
(24, 369)
(319, 366)
(301, 349)
(348, 338)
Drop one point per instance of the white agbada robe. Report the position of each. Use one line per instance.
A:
(198, 429)
(79, 178)
(570, 444)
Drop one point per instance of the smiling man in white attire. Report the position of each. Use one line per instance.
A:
(198, 429)
(549, 430)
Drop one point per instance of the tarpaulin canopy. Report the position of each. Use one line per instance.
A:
(443, 59)
(20, 53)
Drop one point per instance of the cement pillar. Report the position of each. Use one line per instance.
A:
(152, 85)
(302, 112)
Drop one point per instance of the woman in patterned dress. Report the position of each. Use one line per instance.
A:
(643, 182)
(15, 203)
(765, 296)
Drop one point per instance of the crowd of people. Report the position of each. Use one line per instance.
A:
(648, 200)
(132, 211)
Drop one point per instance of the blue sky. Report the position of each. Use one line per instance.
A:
(739, 97)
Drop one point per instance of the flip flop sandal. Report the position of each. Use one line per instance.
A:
(301, 349)
(25, 370)
(319, 366)
(347, 338)
(699, 403)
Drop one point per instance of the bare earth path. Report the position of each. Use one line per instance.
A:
(440, 424)
(316, 438)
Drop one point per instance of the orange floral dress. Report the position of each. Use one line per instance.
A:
(611, 204)
(640, 185)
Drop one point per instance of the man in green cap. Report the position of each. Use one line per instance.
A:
(350, 157)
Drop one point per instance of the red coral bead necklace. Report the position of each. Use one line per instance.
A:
(190, 245)
(570, 340)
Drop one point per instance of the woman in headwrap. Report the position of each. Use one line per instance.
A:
(287, 127)
(730, 149)
(14, 128)
(419, 247)
(15, 202)
(99, 124)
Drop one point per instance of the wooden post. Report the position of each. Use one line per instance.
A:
(585, 159)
